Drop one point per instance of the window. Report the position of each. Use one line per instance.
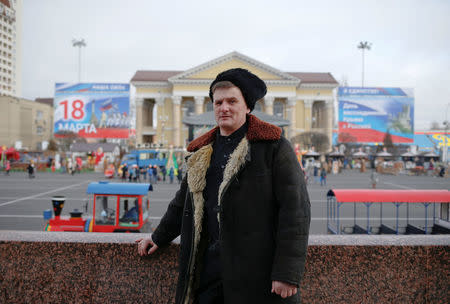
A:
(39, 130)
(209, 107)
(129, 212)
(189, 106)
(39, 115)
(105, 209)
(258, 106)
(278, 108)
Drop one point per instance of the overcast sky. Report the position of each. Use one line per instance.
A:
(410, 41)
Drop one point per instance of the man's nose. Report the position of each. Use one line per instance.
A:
(224, 107)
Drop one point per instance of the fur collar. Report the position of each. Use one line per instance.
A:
(257, 130)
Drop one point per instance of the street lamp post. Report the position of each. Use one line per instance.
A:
(79, 43)
(364, 46)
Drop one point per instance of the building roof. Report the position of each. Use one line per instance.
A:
(89, 147)
(47, 101)
(314, 77)
(146, 75)
(154, 75)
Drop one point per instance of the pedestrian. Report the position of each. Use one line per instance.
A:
(8, 167)
(144, 173)
(171, 174)
(180, 175)
(30, 170)
(150, 174)
(242, 209)
(316, 173)
(131, 174)
(441, 171)
(137, 174)
(124, 171)
(323, 177)
(155, 173)
(374, 178)
(164, 173)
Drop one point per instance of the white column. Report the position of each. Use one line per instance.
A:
(268, 104)
(329, 116)
(291, 116)
(139, 122)
(308, 113)
(176, 101)
(199, 102)
(160, 122)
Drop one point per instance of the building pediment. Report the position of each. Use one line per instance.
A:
(207, 72)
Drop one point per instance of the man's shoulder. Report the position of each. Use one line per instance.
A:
(203, 140)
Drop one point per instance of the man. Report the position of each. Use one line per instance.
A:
(242, 210)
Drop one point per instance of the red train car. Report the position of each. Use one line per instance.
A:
(116, 207)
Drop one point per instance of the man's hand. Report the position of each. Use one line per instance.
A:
(143, 244)
(284, 290)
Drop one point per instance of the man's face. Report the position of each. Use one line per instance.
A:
(230, 109)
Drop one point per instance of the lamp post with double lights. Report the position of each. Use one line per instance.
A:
(363, 45)
(79, 43)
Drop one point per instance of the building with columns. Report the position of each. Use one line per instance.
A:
(163, 98)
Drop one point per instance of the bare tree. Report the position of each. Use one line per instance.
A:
(436, 126)
(306, 140)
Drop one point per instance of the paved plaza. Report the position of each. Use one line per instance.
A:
(23, 200)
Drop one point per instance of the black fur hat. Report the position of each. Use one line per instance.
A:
(252, 87)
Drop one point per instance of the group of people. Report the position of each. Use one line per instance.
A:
(154, 173)
(316, 172)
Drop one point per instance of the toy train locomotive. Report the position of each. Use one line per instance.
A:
(116, 207)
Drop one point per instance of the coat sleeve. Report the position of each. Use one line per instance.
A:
(170, 225)
(294, 216)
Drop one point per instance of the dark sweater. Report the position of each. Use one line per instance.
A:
(222, 148)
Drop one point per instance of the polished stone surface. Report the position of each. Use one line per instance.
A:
(51, 267)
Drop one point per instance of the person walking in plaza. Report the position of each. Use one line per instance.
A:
(131, 174)
(316, 173)
(30, 170)
(163, 172)
(171, 174)
(242, 209)
(374, 178)
(323, 177)
(155, 173)
(124, 172)
(150, 174)
(7, 167)
(180, 175)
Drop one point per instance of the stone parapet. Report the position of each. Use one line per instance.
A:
(53, 267)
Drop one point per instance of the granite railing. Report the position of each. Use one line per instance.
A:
(52, 267)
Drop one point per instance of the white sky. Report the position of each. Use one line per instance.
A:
(410, 41)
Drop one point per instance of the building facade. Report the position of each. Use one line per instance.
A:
(25, 121)
(163, 98)
(10, 47)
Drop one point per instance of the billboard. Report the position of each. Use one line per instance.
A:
(92, 110)
(367, 114)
